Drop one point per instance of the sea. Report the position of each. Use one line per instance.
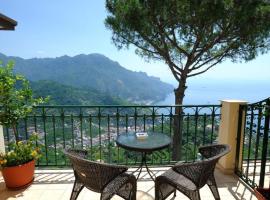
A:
(212, 92)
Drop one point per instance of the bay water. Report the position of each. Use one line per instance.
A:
(212, 92)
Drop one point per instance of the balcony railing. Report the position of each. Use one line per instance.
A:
(252, 164)
(95, 128)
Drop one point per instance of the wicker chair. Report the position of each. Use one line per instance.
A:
(188, 178)
(109, 180)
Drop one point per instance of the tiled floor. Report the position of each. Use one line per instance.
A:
(57, 184)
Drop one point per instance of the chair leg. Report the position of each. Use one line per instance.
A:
(132, 195)
(174, 193)
(163, 190)
(195, 195)
(213, 187)
(77, 188)
(158, 193)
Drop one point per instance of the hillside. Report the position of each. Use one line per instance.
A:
(94, 72)
(67, 95)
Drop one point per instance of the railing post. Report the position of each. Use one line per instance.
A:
(228, 133)
(2, 141)
(265, 142)
(240, 137)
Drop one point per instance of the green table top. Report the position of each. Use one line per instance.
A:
(154, 141)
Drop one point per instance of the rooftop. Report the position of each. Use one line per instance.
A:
(7, 23)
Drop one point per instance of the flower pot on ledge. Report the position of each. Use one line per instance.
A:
(262, 193)
(18, 177)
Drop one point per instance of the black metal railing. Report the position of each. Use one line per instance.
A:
(95, 128)
(252, 139)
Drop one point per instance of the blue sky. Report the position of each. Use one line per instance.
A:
(66, 27)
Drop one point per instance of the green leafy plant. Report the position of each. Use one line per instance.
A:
(21, 152)
(16, 102)
(16, 98)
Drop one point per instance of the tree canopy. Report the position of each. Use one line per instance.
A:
(191, 36)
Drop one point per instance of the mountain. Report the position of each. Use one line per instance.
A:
(96, 72)
(60, 94)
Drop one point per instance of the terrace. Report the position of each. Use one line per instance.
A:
(95, 128)
(57, 184)
(245, 127)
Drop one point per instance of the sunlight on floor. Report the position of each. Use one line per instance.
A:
(57, 184)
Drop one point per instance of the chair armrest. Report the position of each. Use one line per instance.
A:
(115, 185)
(192, 171)
(76, 152)
(109, 172)
(186, 168)
(90, 173)
(209, 151)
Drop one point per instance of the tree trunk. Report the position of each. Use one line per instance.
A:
(178, 120)
(14, 127)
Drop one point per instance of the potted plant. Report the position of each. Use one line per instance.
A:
(18, 165)
(16, 101)
(262, 193)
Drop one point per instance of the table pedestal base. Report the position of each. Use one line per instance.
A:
(144, 164)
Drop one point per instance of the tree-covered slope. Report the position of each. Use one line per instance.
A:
(96, 72)
(60, 94)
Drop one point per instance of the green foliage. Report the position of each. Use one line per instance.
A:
(21, 152)
(195, 133)
(16, 98)
(68, 95)
(92, 73)
(190, 35)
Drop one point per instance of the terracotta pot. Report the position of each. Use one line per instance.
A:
(18, 177)
(262, 193)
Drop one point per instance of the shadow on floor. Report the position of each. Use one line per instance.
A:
(52, 177)
(67, 177)
(48, 182)
(10, 193)
(242, 191)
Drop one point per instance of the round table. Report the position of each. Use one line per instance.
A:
(153, 142)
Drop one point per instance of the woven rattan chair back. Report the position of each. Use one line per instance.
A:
(188, 178)
(93, 175)
(212, 151)
(211, 154)
(200, 172)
